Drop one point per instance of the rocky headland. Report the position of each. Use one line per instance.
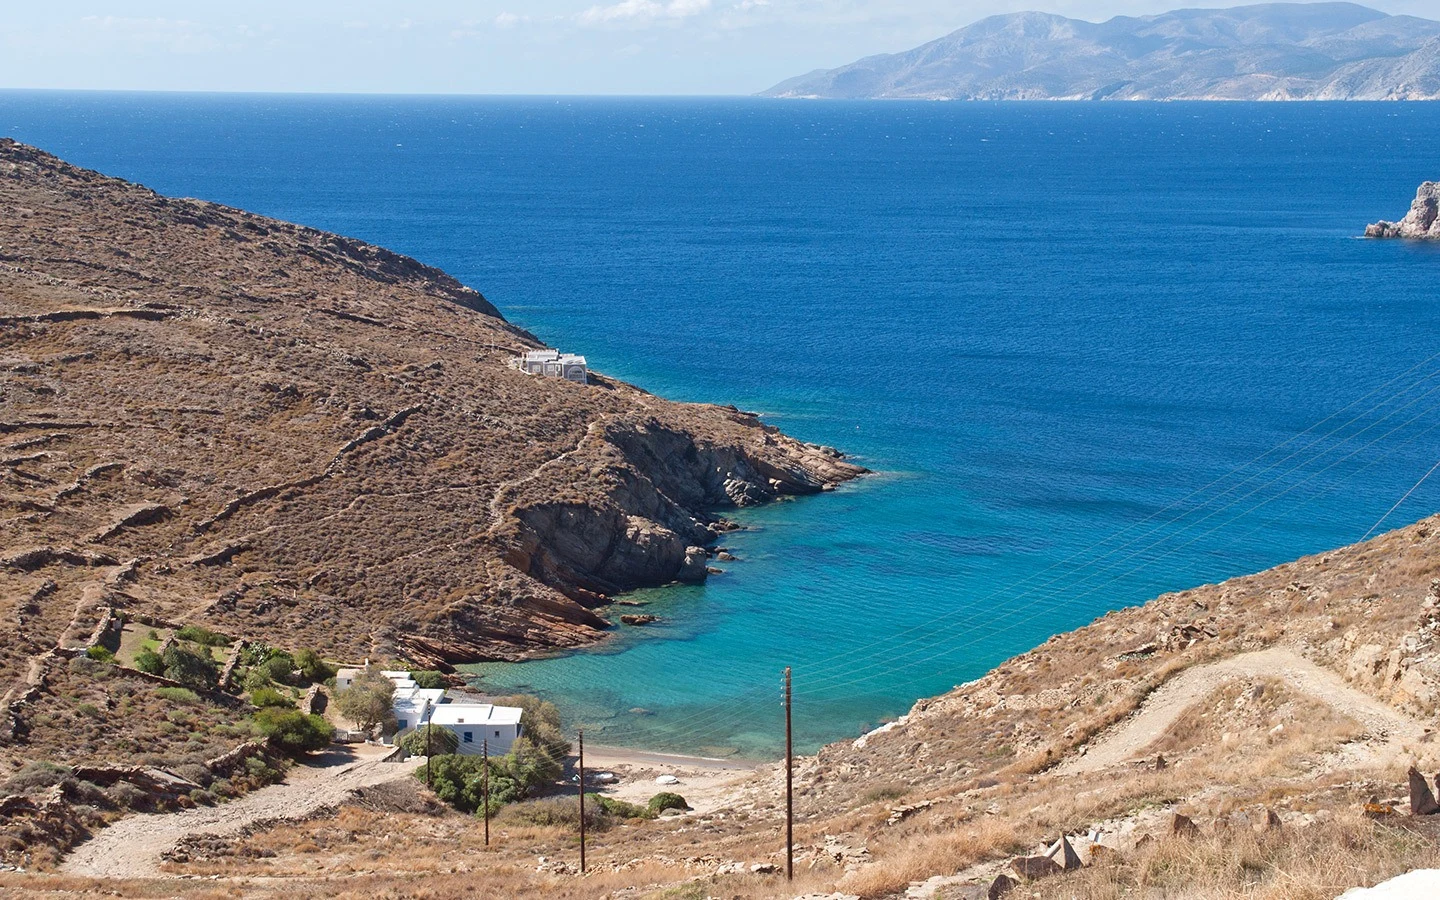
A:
(214, 418)
(1423, 220)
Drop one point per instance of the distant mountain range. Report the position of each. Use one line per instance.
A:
(1275, 51)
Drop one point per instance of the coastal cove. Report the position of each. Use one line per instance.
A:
(1041, 326)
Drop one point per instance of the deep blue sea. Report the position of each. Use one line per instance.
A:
(1094, 351)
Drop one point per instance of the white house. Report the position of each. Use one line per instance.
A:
(554, 364)
(476, 724)
(479, 726)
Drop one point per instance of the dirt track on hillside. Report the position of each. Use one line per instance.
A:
(132, 847)
(1385, 727)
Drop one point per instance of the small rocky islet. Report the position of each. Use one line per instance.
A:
(1421, 222)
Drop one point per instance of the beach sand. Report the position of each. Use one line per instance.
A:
(706, 784)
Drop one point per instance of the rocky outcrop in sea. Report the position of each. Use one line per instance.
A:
(1423, 220)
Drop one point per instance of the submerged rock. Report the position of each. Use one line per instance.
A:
(1423, 220)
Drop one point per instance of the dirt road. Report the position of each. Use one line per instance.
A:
(1385, 726)
(131, 848)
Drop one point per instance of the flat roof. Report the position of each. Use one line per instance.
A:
(475, 714)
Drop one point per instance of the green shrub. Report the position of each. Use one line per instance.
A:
(152, 635)
(438, 741)
(149, 661)
(204, 636)
(190, 669)
(554, 812)
(430, 679)
(293, 731)
(278, 667)
(666, 800)
(100, 654)
(268, 697)
(178, 695)
(35, 776)
(257, 679)
(619, 808)
(89, 709)
(312, 668)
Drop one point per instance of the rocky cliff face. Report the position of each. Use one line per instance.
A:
(282, 434)
(1423, 220)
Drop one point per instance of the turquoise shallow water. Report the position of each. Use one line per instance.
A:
(1090, 349)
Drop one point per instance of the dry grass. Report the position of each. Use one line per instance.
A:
(1314, 863)
(917, 856)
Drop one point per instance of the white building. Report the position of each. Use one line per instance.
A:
(476, 724)
(479, 726)
(554, 364)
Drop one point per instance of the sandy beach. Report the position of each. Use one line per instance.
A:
(705, 783)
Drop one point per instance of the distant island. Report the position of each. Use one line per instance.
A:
(1275, 51)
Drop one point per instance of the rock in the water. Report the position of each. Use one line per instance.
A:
(693, 569)
(644, 619)
(1422, 801)
(1423, 220)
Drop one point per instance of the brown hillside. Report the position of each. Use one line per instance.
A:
(211, 417)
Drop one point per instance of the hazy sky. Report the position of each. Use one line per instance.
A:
(486, 46)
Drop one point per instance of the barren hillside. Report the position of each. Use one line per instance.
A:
(288, 435)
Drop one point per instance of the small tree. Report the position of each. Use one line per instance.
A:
(278, 667)
(367, 702)
(540, 720)
(149, 662)
(190, 669)
(431, 740)
(293, 731)
(312, 667)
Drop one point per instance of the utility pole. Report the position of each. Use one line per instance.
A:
(789, 788)
(485, 785)
(582, 801)
(428, 754)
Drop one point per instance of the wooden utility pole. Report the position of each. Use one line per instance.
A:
(485, 785)
(582, 801)
(428, 755)
(789, 788)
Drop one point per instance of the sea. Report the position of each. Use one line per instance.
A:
(1092, 352)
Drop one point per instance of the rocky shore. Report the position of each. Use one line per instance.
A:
(1423, 220)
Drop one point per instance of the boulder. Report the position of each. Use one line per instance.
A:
(1002, 885)
(1183, 826)
(1063, 854)
(692, 567)
(644, 619)
(1031, 868)
(1422, 800)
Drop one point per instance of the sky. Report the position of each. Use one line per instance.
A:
(487, 46)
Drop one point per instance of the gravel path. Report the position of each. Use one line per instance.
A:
(1124, 741)
(131, 848)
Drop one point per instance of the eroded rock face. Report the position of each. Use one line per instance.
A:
(1423, 220)
(292, 436)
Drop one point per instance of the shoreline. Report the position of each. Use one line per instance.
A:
(706, 783)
